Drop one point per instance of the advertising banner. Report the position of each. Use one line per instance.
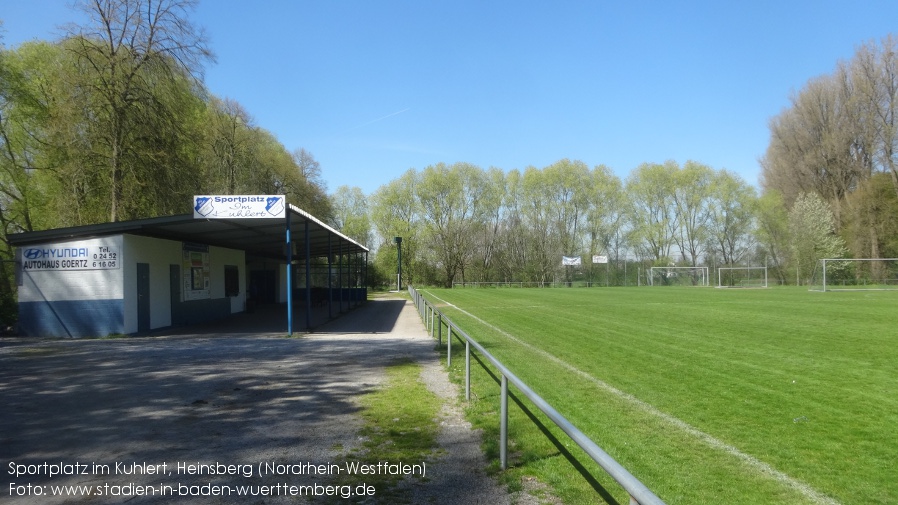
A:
(239, 206)
(70, 256)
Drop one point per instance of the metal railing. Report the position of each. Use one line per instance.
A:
(434, 320)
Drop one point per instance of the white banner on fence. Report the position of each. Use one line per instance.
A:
(599, 259)
(571, 260)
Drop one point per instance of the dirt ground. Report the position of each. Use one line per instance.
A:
(145, 413)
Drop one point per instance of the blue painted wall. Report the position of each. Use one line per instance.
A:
(82, 318)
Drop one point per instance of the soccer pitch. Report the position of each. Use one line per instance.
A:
(706, 395)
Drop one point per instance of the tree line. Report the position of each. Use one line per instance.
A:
(461, 223)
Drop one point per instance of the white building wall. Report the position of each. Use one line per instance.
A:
(159, 254)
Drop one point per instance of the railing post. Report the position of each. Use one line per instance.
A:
(467, 370)
(449, 350)
(440, 331)
(503, 425)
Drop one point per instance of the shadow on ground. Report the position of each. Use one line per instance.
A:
(229, 392)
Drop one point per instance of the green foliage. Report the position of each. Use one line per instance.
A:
(731, 218)
(351, 214)
(773, 231)
(651, 208)
(395, 212)
(463, 223)
(97, 129)
(455, 202)
(871, 223)
(813, 237)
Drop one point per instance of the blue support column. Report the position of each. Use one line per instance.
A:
(289, 278)
(330, 274)
(340, 276)
(308, 278)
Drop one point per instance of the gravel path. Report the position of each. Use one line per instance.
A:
(220, 395)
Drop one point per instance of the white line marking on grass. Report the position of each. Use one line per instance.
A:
(762, 467)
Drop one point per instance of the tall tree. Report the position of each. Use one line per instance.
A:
(395, 212)
(814, 146)
(772, 232)
(605, 216)
(567, 183)
(308, 167)
(731, 218)
(351, 214)
(486, 243)
(123, 51)
(513, 237)
(538, 223)
(651, 209)
(28, 100)
(312, 190)
(692, 198)
(454, 201)
(874, 76)
(231, 145)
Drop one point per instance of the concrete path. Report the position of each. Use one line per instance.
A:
(224, 395)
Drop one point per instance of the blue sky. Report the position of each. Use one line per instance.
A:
(372, 89)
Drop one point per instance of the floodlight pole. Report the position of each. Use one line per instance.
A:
(398, 241)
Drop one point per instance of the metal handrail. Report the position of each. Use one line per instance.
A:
(639, 493)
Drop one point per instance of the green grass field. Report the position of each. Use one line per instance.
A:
(706, 395)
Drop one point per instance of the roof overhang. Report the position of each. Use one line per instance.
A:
(259, 237)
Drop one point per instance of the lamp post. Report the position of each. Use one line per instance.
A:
(398, 242)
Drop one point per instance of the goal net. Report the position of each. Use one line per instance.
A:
(742, 277)
(855, 274)
(678, 276)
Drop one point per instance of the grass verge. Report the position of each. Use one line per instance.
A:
(400, 426)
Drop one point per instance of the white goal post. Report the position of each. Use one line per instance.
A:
(855, 274)
(678, 276)
(742, 277)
